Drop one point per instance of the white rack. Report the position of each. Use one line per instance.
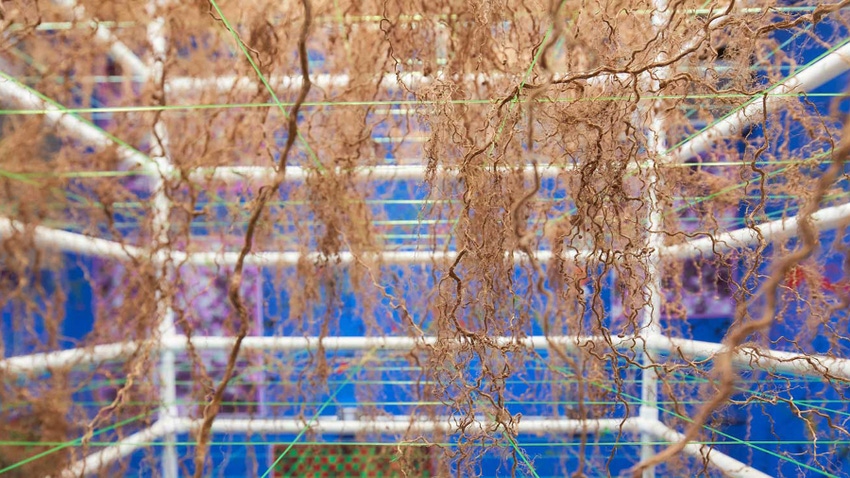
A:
(650, 341)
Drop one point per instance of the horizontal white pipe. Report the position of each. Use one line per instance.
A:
(91, 464)
(769, 360)
(410, 80)
(101, 353)
(67, 358)
(384, 343)
(55, 239)
(59, 240)
(345, 257)
(375, 173)
(824, 219)
(762, 359)
(404, 424)
(724, 463)
(808, 79)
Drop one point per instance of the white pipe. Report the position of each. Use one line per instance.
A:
(769, 360)
(724, 463)
(175, 342)
(345, 257)
(403, 172)
(650, 321)
(58, 240)
(67, 358)
(404, 424)
(179, 342)
(168, 411)
(808, 79)
(94, 462)
(122, 54)
(182, 86)
(824, 219)
(87, 133)
(55, 239)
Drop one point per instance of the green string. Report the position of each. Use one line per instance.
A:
(521, 454)
(262, 77)
(770, 398)
(63, 445)
(743, 184)
(516, 98)
(718, 432)
(563, 444)
(758, 96)
(349, 378)
(64, 110)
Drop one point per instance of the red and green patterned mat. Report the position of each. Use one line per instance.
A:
(342, 460)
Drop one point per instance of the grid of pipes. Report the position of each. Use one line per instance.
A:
(653, 344)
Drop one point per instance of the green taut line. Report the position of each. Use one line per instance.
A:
(68, 444)
(726, 435)
(262, 77)
(757, 97)
(348, 380)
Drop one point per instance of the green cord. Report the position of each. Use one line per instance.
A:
(63, 445)
(262, 77)
(349, 378)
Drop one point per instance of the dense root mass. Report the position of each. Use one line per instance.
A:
(502, 197)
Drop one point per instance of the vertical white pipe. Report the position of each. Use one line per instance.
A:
(161, 209)
(651, 315)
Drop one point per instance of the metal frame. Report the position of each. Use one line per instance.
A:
(169, 342)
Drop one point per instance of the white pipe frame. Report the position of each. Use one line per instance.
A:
(85, 131)
(59, 240)
(395, 343)
(40, 362)
(820, 72)
(815, 75)
(390, 82)
(403, 172)
(812, 77)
